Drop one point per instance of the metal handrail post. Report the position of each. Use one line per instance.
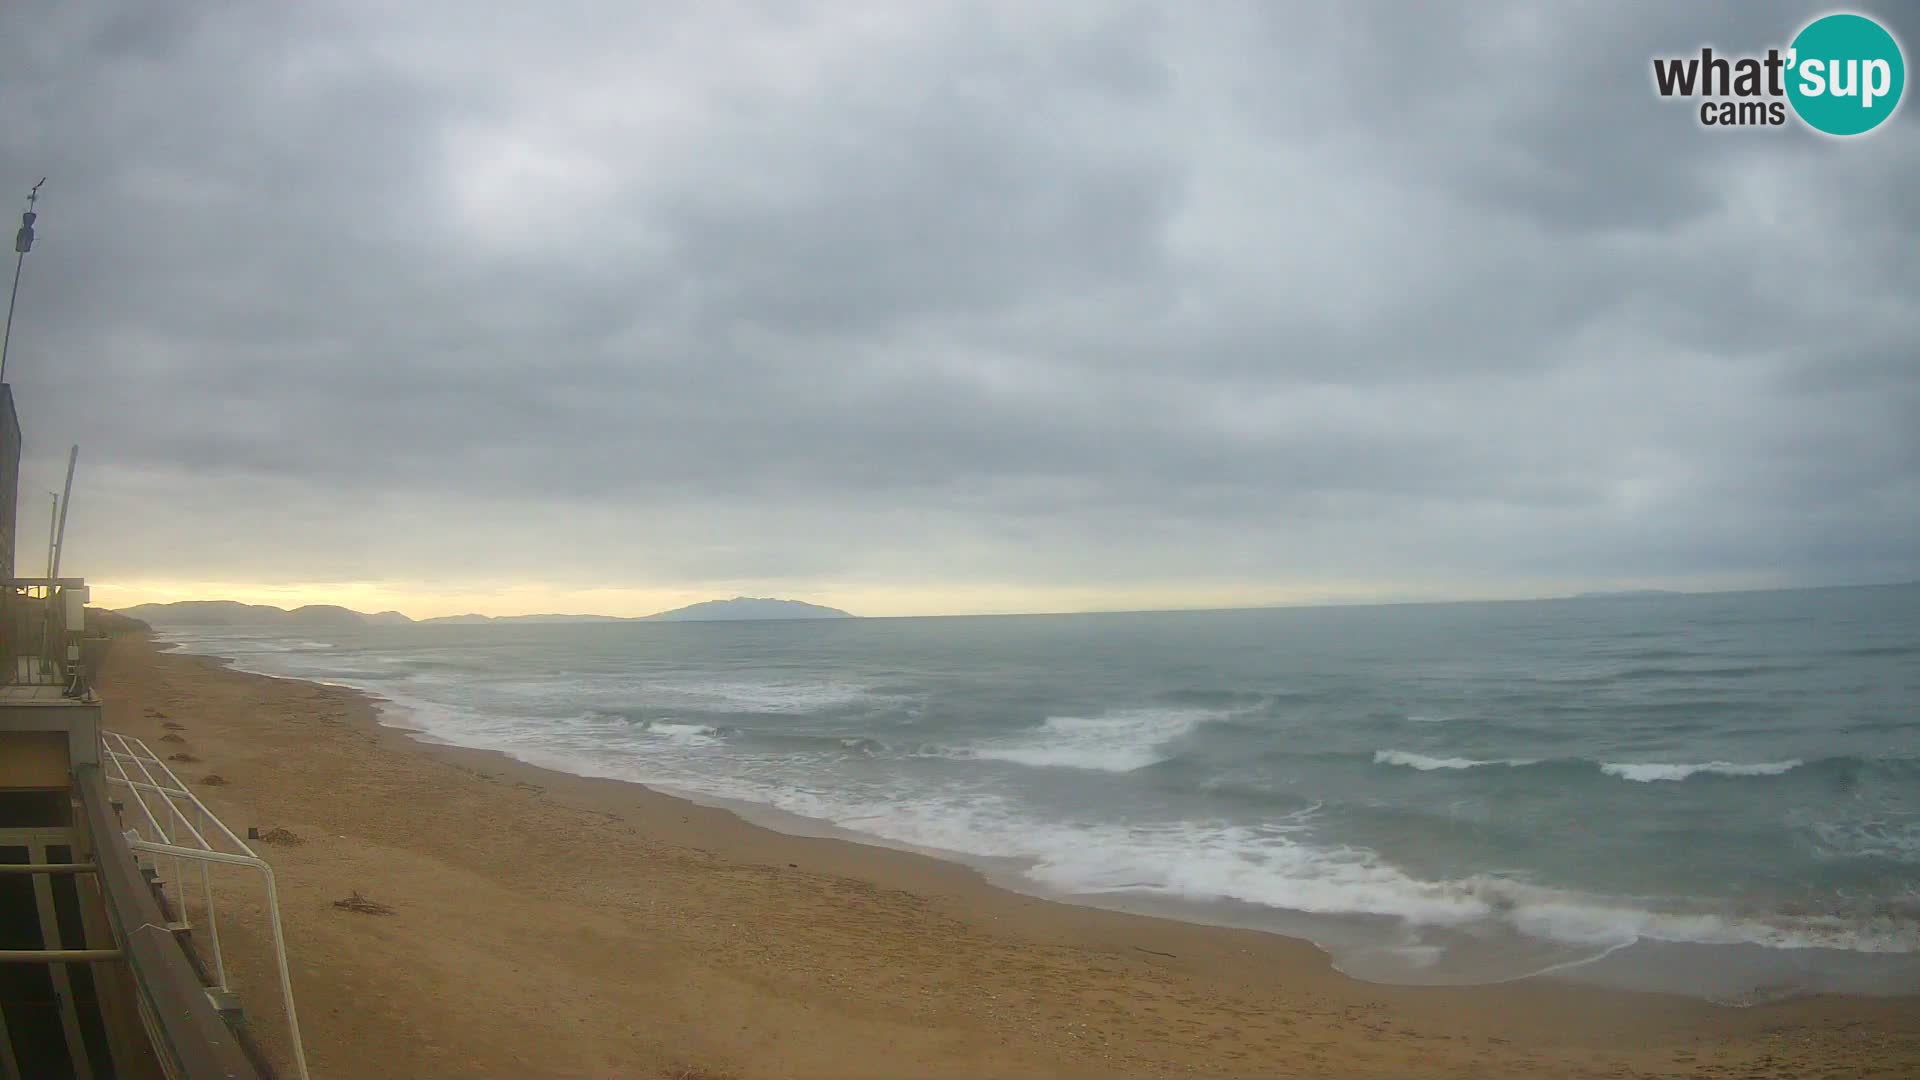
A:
(136, 751)
(213, 919)
(165, 832)
(273, 918)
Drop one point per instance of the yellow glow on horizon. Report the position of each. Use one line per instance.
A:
(424, 600)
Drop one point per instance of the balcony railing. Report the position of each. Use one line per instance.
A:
(173, 824)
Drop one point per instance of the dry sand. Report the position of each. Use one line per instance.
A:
(539, 924)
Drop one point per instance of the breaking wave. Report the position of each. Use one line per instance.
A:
(1119, 742)
(1428, 764)
(1654, 771)
(1645, 772)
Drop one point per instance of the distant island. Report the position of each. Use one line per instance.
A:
(1624, 594)
(478, 620)
(742, 608)
(331, 616)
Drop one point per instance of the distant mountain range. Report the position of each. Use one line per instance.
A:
(231, 613)
(330, 616)
(1624, 594)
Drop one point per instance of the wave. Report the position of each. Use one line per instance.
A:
(1727, 671)
(1222, 699)
(245, 644)
(1119, 742)
(761, 697)
(1881, 650)
(1660, 654)
(1428, 764)
(1882, 836)
(813, 743)
(1645, 772)
(1655, 771)
(1279, 864)
(1273, 868)
(684, 734)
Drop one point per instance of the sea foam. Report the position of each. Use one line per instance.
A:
(1283, 868)
(1428, 764)
(1118, 742)
(685, 734)
(1651, 772)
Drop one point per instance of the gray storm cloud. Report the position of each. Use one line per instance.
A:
(1093, 295)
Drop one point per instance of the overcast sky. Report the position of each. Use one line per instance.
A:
(919, 308)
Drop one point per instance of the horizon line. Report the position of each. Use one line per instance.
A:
(1594, 594)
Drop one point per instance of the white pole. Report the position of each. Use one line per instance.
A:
(66, 500)
(53, 572)
(213, 921)
(53, 520)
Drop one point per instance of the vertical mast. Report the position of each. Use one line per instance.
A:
(66, 500)
(53, 519)
(22, 243)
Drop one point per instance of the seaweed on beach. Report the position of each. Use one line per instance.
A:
(283, 837)
(171, 738)
(696, 1072)
(172, 725)
(213, 780)
(182, 756)
(361, 904)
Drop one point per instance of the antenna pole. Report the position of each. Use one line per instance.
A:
(22, 243)
(53, 571)
(52, 521)
(66, 500)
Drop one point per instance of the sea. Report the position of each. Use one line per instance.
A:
(1716, 795)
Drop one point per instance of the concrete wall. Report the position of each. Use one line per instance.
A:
(33, 759)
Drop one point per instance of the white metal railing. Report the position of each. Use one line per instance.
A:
(171, 822)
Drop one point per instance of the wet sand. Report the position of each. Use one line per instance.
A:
(549, 925)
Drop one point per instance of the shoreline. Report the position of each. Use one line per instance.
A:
(964, 976)
(1364, 947)
(1003, 873)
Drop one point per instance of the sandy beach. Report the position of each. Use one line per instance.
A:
(549, 925)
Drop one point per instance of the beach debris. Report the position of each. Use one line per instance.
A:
(213, 780)
(156, 712)
(170, 737)
(174, 726)
(361, 904)
(282, 837)
(695, 1072)
(182, 756)
(1156, 952)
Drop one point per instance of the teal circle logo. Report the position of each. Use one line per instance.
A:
(1845, 74)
